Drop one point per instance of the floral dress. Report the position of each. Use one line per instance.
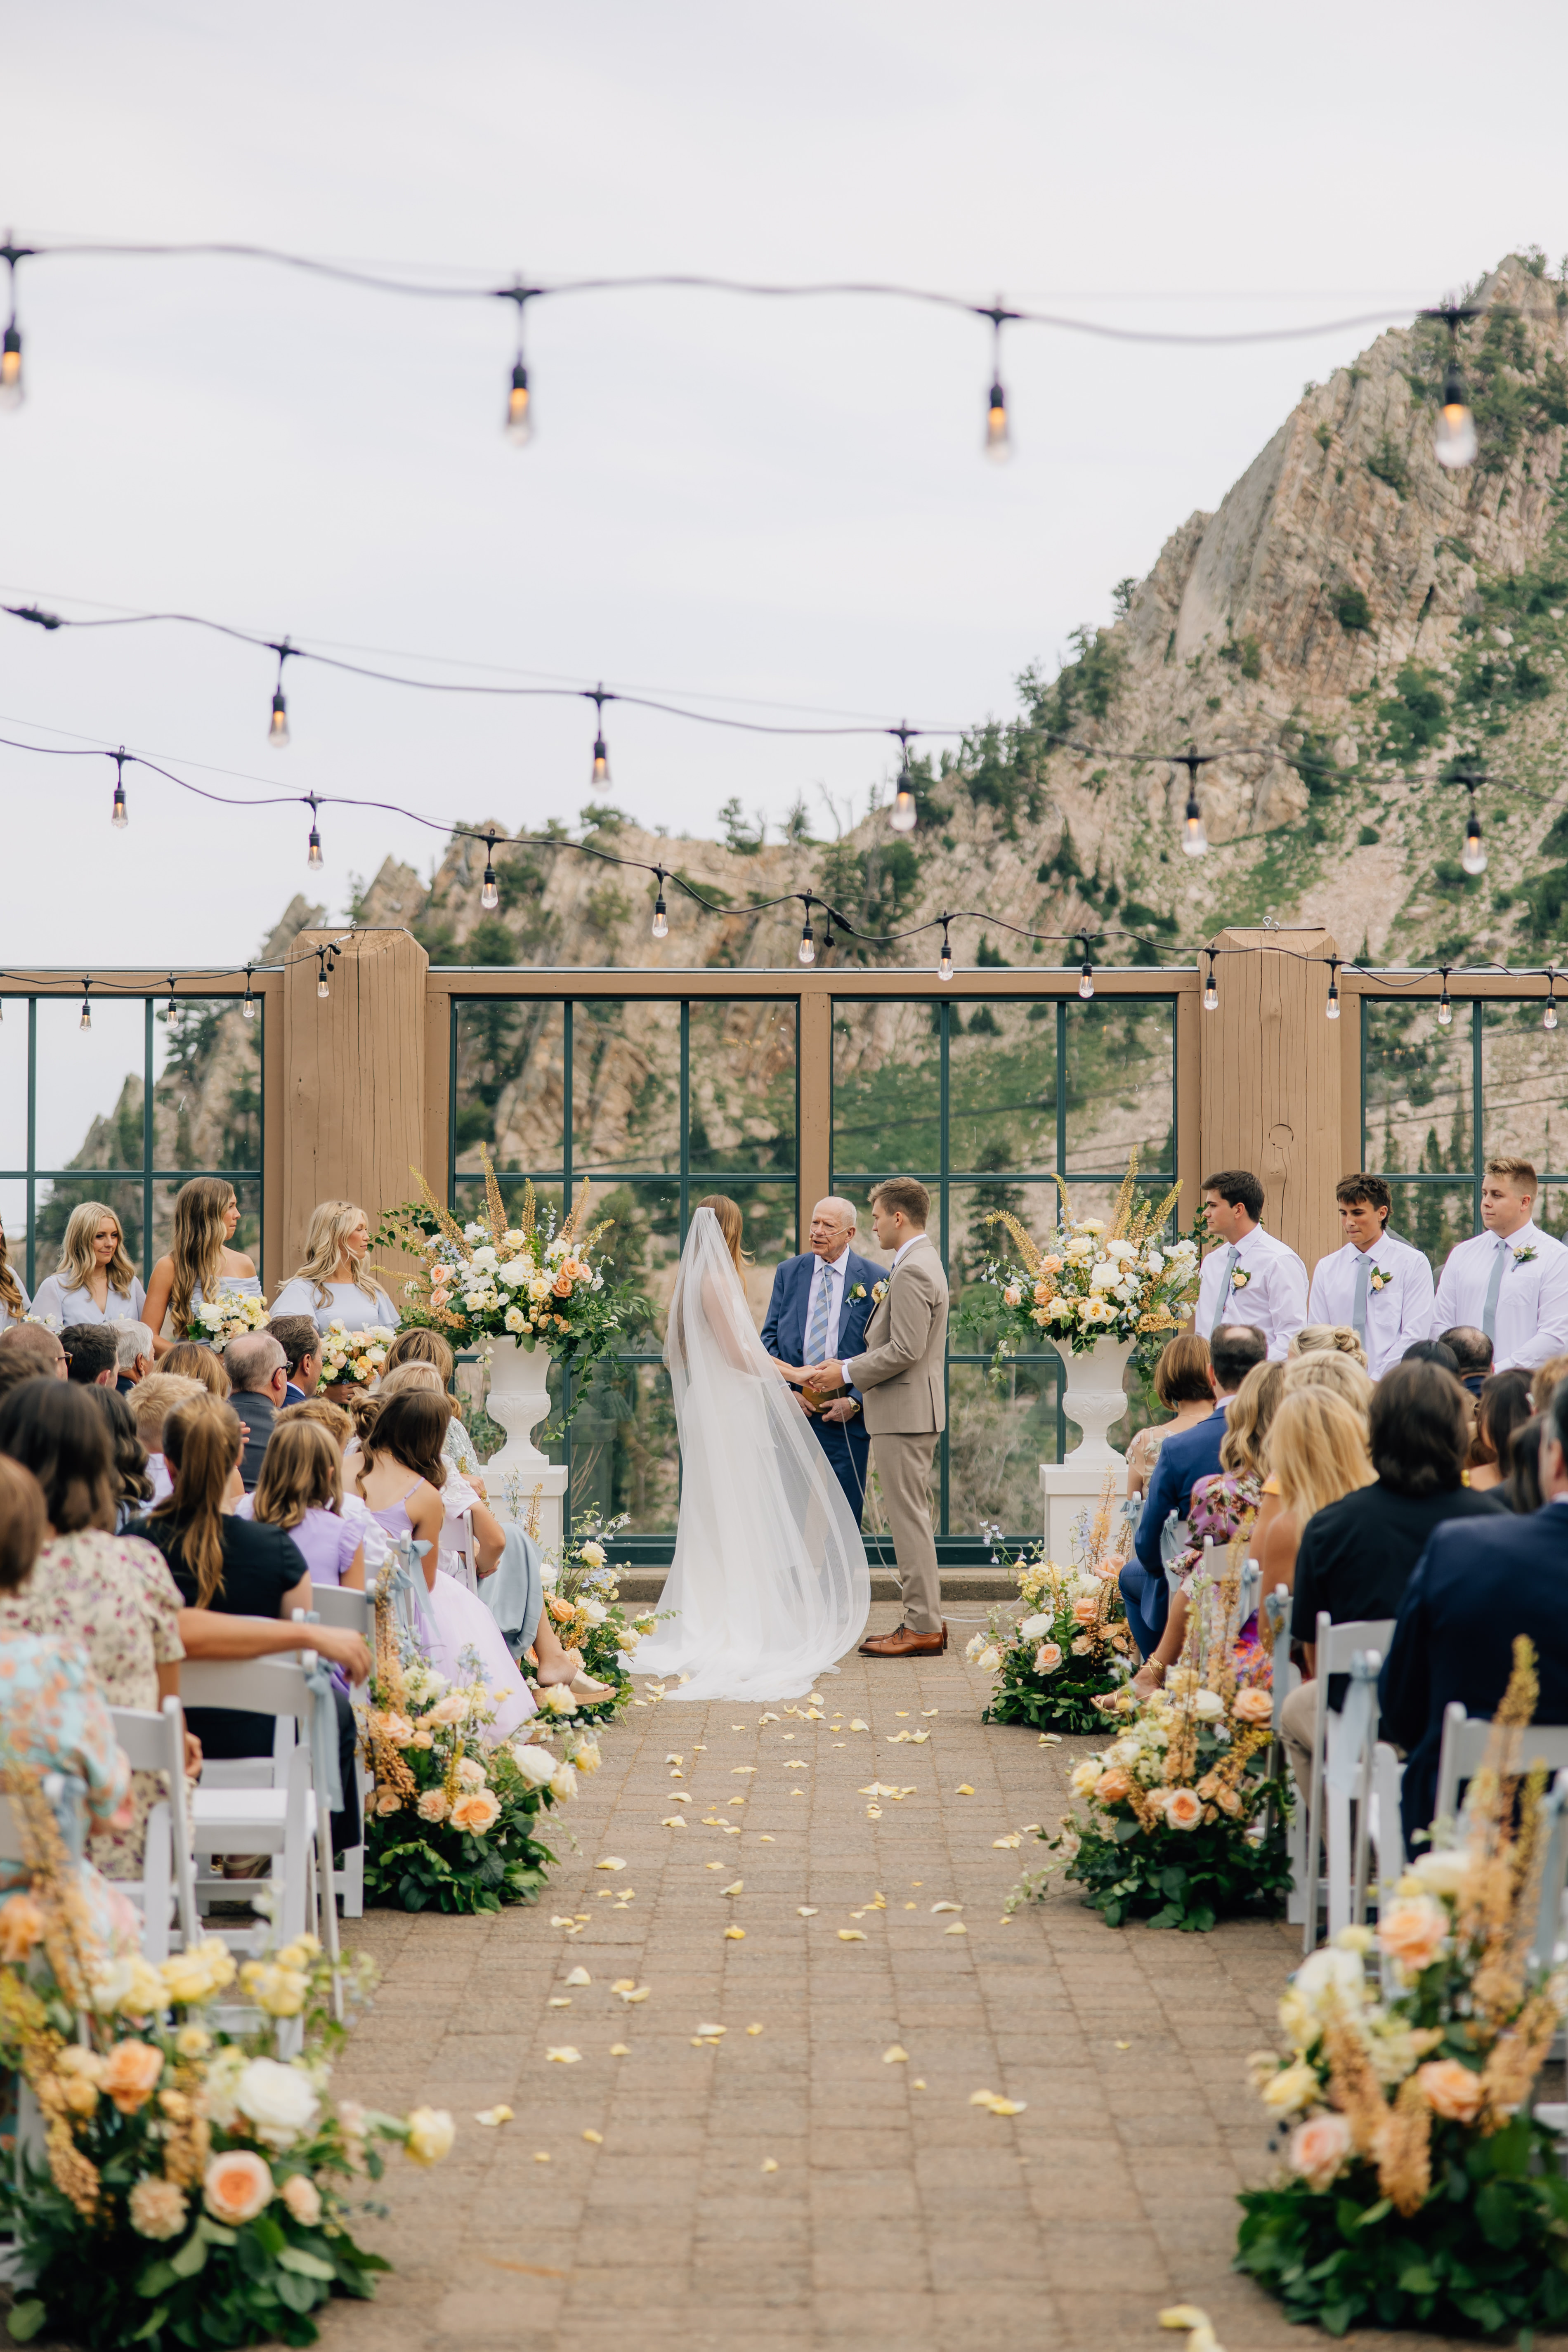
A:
(1225, 1505)
(115, 1597)
(54, 1720)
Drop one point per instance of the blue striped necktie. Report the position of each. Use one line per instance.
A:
(816, 1337)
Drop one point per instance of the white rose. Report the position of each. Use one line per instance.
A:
(1330, 1972)
(593, 1555)
(1155, 1262)
(1035, 1629)
(1440, 1873)
(563, 1784)
(515, 1318)
(485, 1258)
(518, 1271)
(1104, 1275)
(557, 1699)
(431, 2132)
(549, 1572)
(536, 1765)
(279, 2100)
(471, 1231)
(594, 1610)
(1208, 1706)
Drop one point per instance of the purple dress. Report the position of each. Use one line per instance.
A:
(327, 1542)
(466, 1630)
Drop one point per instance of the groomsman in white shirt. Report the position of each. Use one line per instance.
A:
(1377, 1285)
(1511, 1280)
(1252, 1278)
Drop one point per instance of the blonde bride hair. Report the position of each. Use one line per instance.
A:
(332, 1221)
(731, 1225)
(76, 1251)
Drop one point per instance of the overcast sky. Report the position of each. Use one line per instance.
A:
(779, 504)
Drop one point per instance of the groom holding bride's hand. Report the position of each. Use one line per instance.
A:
(900, 1377)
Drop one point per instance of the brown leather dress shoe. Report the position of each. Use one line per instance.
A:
(905, 1643)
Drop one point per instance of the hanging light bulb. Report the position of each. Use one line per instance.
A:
(11, 368)
(660, 917)
(314, 861)
(1444, 1009)
(944, 961)
(1085, 977)
(1211, 993)
(278, 727)
(1194, 840)
(998, 441)
(599, 775)
(1548, 1018)
(807, 950)
(1473, 857)
(86, 1021)
(247, 1006)
(490, 897)
(171, 992)
(519, 408)
(117, 816)
(321, 986)
(1456, 439)
(1332, 1007)
(903, 815)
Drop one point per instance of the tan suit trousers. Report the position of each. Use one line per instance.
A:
(903, 1474)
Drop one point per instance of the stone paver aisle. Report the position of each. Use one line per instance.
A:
(899, 2213)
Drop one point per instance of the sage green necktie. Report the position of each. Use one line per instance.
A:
(1358, 1304)
(1489, 1312)
(1225, 1290)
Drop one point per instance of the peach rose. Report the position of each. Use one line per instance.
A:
(387, 1801)
(1052, 1264)
(1413, 1932)
(1042, 1293)
(561, 1286)
(450, 1709)
(1012, 1296)
(1112, 1786)
(1450, 2090)
(1047, 1657)
(1252, 1706)
(1183, 1808)
(21, 1927)
(132, 2074)
(432, 1805)
(1085, 1609)
(237, 2186)
(476, 1813)
(1319, 2148)
(304, 2199)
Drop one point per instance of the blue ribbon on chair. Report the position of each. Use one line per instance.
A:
(65, 1796)
(1348, 1739)
(409, 1593)
(325, 1769)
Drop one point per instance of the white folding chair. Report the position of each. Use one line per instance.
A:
(1274, 1626)
(155, 1742)
(1335, 1647)
(354, 1613)
(285, 1820)
(1464, 1738)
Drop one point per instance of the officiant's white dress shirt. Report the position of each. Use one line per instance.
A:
(833, 1276)
(1529, 1323)
(1385, 1319)
(1273, 1297)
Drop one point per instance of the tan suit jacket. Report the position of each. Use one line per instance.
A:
(899, 1374)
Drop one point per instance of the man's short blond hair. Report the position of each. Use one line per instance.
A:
(1518, 1172)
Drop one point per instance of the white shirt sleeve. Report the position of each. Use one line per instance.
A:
(1415, 1301)
(1287, 1302)
(1551, 1330)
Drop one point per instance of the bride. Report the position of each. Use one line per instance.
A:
(769, 1583)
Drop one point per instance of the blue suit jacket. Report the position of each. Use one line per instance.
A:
(783, 1327)
(1181, 1460)
(1477, 1583)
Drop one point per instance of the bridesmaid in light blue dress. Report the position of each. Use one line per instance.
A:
(200, 1263)
(332, 1287)
(95, 1282)
(15, 1304)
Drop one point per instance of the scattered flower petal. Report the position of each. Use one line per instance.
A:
(919, 2084)
(806, 1910)
(735, 1886)
(734, 1935)
(850, 1936)
(964, 1789)
(625, 1984)
(493, 2116)
(579, 1976)
(620, 2049)
(753, 2029)
(770, 2163)
(673, 1821)
(598, 2137)
(565, 2055)
(562, 2000)
(641, 1993)
(1014, 1840)
(541, 2155)
(956, 1928)
(896, 2056)
(947, 1906)
(614, 1862)
(712, 2029)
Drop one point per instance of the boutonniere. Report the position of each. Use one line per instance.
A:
(878, 1292)
(1523, 1257)
(1239, 1277)
(858, 1290)
(1377, 1279)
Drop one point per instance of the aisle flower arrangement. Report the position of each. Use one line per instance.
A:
(231, 1313)
(453, 1821)
(587, 1613)
(192, 2190)
(1091, 1278)
(1183, 1823)
(533, 1282)
(354, 1358)
(1418, 2191)
(1072, 1647)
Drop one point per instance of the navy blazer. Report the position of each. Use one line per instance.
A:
(783, 1327)
(1477, 1583)
(1181, 1460)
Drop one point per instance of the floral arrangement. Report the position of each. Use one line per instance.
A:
(1073, 1646)
(585, 1608)
(354, 1358)
(191, 2187)
(1418, 2192)
(1183, 1823)
(220, 1319)
(452, 1823)
(531, 1282)
(1090, 1279)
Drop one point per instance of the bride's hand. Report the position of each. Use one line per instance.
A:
(796, 1374)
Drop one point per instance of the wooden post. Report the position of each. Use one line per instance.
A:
(1270, 1093)
(815, 1097)
(354, 1093)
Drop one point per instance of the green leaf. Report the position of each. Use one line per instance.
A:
(296, 2294)
(190, 2257)
(268, 2235)
(157, 2278)
(310, 2266)
(24, 2320)
(151, 2323)
(1497, 2211)
(215, 2232)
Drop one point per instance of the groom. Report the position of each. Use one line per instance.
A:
(901, 1375)
(819, 1308)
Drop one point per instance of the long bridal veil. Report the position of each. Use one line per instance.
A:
(769, 1583)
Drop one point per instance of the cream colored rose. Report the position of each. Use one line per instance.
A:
(1413, 1932)
(157, 2209)
(431, 2133)
(1450, 2090)
(448, 1710)
(557, 1699)
(433, 1805)
(563, 1784)
(1085, 1778)
(280, 2101)
(1290, 2088)
(304, 2199)
(1441, 1873)
(1208, 1706)
(536, 1765)
(236, 2187)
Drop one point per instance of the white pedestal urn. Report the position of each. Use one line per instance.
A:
(520, 1400)
(1096, 1399)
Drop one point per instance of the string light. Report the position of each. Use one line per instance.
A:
(490, 897)
(1194, 840)
(1211, 991)
(1444, 1009)
(86, 1021)
(1473, 857)
(321, 987)
(314, 861)
(278, 727)
(118, 817)
(1333, 1006)
(11, 347)
(1086, 978)
(599, 776)
(247, 1006)
(171, 992)
(1454, 444)
(1548, 1018)
(519, 402)
(660, 914)
(998, 441)
(903, 816)
(944, 961)
(807, 950)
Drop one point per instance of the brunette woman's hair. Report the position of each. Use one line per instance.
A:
(418, 1346)
(1181, 1374)
(56, 1431)
(22, 1520)
(129, 1455)
(1419, 1429)
(197, 1243)
(1502, 1407)
(338, 1422)
(301, 1471)
(730, 1224)
(409, 1429)
(406, 1379)
(202, 1442)
(189, 1360)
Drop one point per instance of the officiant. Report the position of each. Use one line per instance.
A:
(818, 1315)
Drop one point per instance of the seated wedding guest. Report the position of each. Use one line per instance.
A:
(30, 1352)
(332, 1287)
(1355, 1556)
(151, 1403)
(1472, 1352)
(1182, 1385)
(95, 1281)
(458, 1446)
(200, 1265)
(258, 1369)
(128, 1458)
(54, 1719)
(1374, 1285)
(14, 1303)
(1432, 1351)
(193, 1359)
(1510, 1279)
(92, 1353)
(1473, 1590)
(1225, 1503)
(1328, 1338)
(301, 1490)
(1522, 1492)
(301, 1344)
(1327, 1368)
(1543, 1381)
(229, 1567)
(135, 1356)
(1317, 1452)
(1234, 1349)
(107, 1593)
(1502, 1407)
(418, 1346)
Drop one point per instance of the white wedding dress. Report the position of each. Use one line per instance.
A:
(769, 1583)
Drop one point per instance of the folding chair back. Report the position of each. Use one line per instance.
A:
(341, 1605)
(1335, 1647)
(154, 1741)
(1464, 1738)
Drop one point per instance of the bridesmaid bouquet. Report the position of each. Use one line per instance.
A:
(1090, 1280)
(354, 1358)
(224, 1317)
(186, 2187)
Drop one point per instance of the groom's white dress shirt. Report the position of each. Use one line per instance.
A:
(1385, 1319)
(905, 1247)
(1528, 1322)
(832, 1278)
(1272, 1294)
